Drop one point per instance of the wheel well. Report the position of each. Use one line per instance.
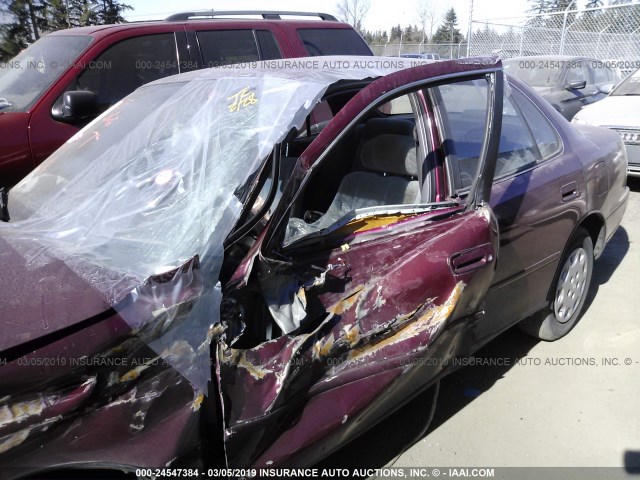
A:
(594, 224)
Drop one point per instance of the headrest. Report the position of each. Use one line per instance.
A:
(389, 146)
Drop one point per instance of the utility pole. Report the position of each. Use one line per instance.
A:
(470, 29)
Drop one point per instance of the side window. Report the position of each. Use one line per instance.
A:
(226, 47)
(325, 41)
(602, 75)
(462, 111)
(543, 132)
(517, 148)
(397, 106)
(127, 65)
(319, 117)
(269, 49)
(577, 74)
(371, 171)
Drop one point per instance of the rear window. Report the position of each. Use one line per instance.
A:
(226, 47)
(269, 49)
(603, 75)
(325, 41)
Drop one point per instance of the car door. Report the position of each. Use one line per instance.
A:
(536, 195)
(111, 73)
(221, 47)
(577, 89)
(380, 299)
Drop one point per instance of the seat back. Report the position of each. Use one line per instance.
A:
(388, 151)
(388, 145)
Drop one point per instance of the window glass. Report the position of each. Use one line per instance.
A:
(323, 41)
(374, 166)
(629, 86)
(577, 74)
(462, 108)
(27, 76)
(226, 47)
(517, 148)
(602, 75)
(269, 49)
(532, 73)
(319, 117)
(128, 65)
(543, 132)
(397, 106)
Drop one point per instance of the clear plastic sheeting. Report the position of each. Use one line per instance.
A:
(138, 203)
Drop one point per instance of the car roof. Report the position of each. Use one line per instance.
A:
(548, 58)
(312, 68)
(100, 31)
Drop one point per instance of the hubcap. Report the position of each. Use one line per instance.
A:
(572, 285)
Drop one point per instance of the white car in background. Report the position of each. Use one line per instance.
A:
(620, 111)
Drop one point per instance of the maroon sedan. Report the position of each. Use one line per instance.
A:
(249, 267)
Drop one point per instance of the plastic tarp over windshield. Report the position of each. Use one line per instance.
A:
(139, 202)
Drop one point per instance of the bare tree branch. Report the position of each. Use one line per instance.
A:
(428, 15)
(353, 12)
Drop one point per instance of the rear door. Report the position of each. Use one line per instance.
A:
(381, 298)
(536, 197)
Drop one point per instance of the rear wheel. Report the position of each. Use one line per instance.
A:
(569, 292)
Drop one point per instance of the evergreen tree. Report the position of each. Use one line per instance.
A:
(17, 34)
(111, 11)
(448, 31)
(58, 15)
(28, 20)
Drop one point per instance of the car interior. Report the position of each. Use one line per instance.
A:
(382, 161)
(381, 166)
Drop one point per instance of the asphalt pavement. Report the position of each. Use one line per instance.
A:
(570, 403)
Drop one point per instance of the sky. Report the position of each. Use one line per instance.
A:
(382, 15)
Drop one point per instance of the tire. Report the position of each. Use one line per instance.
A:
(569, 292)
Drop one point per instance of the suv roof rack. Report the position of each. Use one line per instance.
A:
(267, 15)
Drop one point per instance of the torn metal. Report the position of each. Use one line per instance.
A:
(153, 182)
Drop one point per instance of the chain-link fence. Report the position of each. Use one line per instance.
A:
(444, 50)
(610, 34)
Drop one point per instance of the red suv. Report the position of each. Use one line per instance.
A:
(54, 87)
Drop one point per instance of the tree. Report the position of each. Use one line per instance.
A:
(352, 12)
(58, 15)
(18, 33)
(554, 7)
(112, 11)
(448, 31)
(28, 20)
(428, 15)
(396, 32)
(378, 37)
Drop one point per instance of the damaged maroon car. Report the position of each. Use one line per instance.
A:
(249, 267)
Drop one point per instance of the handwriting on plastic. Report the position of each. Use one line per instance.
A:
(243, 99)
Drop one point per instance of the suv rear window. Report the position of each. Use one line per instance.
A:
(324, 41)
(226, 47)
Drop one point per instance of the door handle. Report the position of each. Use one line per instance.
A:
(569, 191)
(472, 259)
